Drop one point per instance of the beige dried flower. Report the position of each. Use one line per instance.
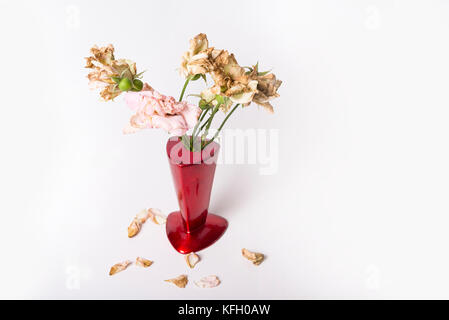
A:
(116, 268)
(142, 262)
(192, 259)
(136, 224)
(267, 86)
(180, 281)
(230, 79)
(255, 257)
(208, 282)
(194, 61)
(105, 67)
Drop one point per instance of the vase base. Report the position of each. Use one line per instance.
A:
(198, 239)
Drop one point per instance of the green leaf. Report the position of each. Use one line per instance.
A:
(263, 73)
(196, 77)
(139, 75)
(116, 79)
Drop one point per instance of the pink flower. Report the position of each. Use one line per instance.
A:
(154, 110)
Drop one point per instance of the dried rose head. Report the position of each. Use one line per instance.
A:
(194, 61)
(111, 75)
(267, 86)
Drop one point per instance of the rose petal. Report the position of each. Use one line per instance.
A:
(255, 257)
(208, 282)
(136, 224)
(142, 262)
(192, 259)
(116, 268)
(180, 281)
(156, 216)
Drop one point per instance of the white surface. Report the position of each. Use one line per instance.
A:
(357, 209)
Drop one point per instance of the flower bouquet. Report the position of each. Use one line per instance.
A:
(192, 151)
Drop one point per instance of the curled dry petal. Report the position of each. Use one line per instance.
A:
(142, 262)
(180, 281)
(255, 257)
(156, 216)
(208, 282)
(136, 224)
(119, 267)
(192, 259)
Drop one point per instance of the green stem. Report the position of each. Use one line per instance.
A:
(208, 124)
(222, 124)
(184, 88)
(193, 136)
(180, 99)
(202, 115)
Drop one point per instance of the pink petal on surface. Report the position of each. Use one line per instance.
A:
(208, 282)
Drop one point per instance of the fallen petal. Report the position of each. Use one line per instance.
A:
(208, 282)
(192, 259)
(136, 224)
(134, 228)
(255, 257)
(180, 281)
(116, 268)
(142, 262)
(156, 216)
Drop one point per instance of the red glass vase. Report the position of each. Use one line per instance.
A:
(193, 228)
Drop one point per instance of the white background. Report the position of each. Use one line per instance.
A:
(358, 208)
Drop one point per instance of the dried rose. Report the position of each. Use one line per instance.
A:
(108, 72)
(267, 86)
(180, 281)
(116, 268)
(255, 257)
(208, 282)
(142, 262)
(192, 259)
(136, 224)
(193, 62)
(230, 78)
